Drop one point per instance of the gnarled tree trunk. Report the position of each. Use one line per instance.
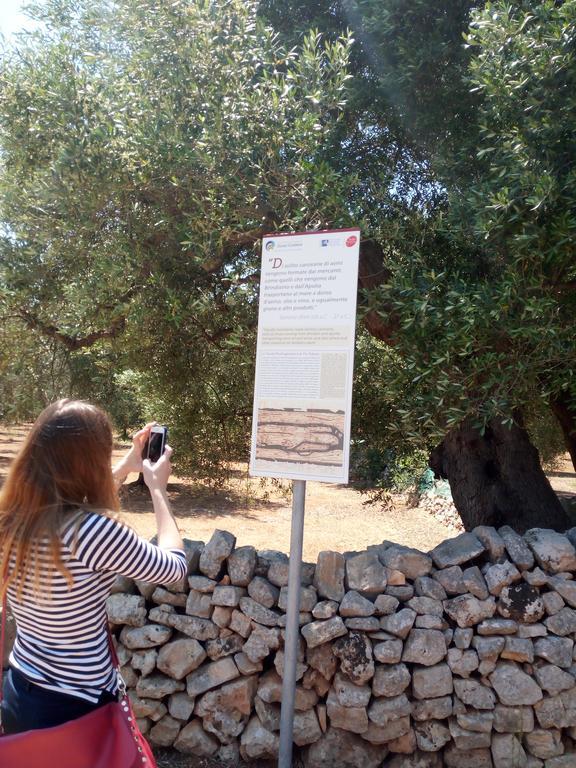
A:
(496, 478)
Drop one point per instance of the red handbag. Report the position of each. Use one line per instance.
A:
(105, 738)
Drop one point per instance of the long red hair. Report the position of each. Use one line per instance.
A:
(64, 465)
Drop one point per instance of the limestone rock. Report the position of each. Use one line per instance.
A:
(181, 706)
(201, 583)
(278, 573)
(467, 610)
(469, 758)
(353, 604)
(553, 551)
(431, 736)
(260, 643)
(424, 646)
(257, 742)
(432, 709)
(320, 632)
(325, 609)
(199, 604)
(508, 752)
(501, 575)
(165, 732)
(462, 663)
(329, 575)
(552, 679)
(306, 728)
(348, 718)
(308, 599)
(432, 682)
(390, 680)
(389, 651)
(497, 627)
(344, 749)
(475, 583)
(227, 596)
(452, 579)
(493, 542)
(260, 590)
(220, 546)
(522, 603)
(513, 686)
(129, 610)
(193, 740)
(162, 595)
(518, 649)
(157, 686)
(383, 710)
(224, 646)
(517, 549)
(400, 623)
(355, 654)
(149, 636)
(258, 613)
(411, 562)
(556, 650)
(513, 719)
(474, 694)
(144, 661)
(322, 659)
(562, 623)
(366, 574)
(460, 549)
(426, 606)
(211, 675)
(349, 694)
(241, 566)
(544, 744)
(425, 586)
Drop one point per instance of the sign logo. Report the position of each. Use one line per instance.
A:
(270, 245)
(325, 243)
(352, 240)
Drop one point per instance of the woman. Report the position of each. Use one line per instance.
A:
(61, 550)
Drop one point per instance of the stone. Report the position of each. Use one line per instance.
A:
(404, 744)
(532, 630)
(258, 613)
(552, 679)
(493, 542)
(475, 583)
(431, 622)
(518, 551)
(181, 706)
(265, 558)
(460, 549)
(303, 619)
(508, 752)
(201, 583)
(220, 546)
(395, 578)
(264, 593)
(553, 551)
(451, 579)
(199, 604)
(354, 719)
(270, 691)
(431, 736)
(562, 761)
(426, 606)
(432, 682)
(269, 714)
(474, 694)
(353, 604)
(256, 742)
(536, 577)
(228, 755)
(497, 627)
(399, 624)
(474, 720)
(240, 624)
(565, 588)
(199, 629)
(241, 566)
(279, 666)
(148, 708)
(369, 624)
(325, 609)
(467, 610)
(236, 697)
(320, 632)
(562, 623)
(278, 573)
(157, 686)
(425, 586)
(193, 740)
(349, 694)
(329, 576)
(513, 719)
(501, 575)
(389, 651)
(306, 729)
(383, 710)
(355, 654)
(556, 650)
(489, 647)
(401, 593)
(469, 758)
(552, 603)
(388, 733)
(557, 711)
(245, 665)
(344, 749)
(161, 595)
(411, 562)
(432, 709)
(260, 643)
(211, 675)
(145, 661)
(221, 616)
(424, 646)
(418, 759)
(129, 610)
(544, 744)
(390, 680)
(462, 663)
(149, 636)
(366, 574)
(518, 649)
(522, 603)
(463, 637)
(468, 740)
(165, 732)
(314, 680)
(322, 659)
(224, 646)
(227, 596)
(308, 599)
(513, 686)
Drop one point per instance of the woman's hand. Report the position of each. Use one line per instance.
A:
(132, 460)
(156, 475)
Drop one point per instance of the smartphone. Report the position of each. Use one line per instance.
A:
(156, 443)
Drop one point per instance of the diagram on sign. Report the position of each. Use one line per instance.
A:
(300, 436)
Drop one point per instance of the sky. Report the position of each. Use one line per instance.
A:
(11, 17)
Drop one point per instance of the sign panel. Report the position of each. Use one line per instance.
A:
(305, 356)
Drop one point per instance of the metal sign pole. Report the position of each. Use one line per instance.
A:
(292, 625)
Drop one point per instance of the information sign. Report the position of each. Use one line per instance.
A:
(305, 355)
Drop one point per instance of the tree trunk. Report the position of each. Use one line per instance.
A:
(496, 478)
(563, 408)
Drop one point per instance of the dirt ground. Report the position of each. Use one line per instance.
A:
(258, 512)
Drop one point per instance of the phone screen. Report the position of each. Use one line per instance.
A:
(156, 445)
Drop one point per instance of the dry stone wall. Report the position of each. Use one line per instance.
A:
(461, 657)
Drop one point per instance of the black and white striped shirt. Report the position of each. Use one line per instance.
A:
(61, 642)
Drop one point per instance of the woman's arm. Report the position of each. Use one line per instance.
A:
(132, 461)
(156, 478)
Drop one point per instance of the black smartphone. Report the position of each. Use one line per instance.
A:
(156, 443)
